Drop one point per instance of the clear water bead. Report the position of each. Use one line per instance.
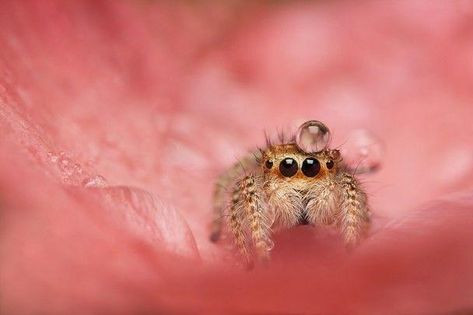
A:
(313, 136)
(363, 152)
(97, 181)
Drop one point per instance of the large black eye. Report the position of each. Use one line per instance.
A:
(288, 167)
(310, 167)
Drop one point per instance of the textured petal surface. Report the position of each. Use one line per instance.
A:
(116, 117)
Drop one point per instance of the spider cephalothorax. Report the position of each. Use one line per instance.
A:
(300, 181)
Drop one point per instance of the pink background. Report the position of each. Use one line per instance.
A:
(116, 116)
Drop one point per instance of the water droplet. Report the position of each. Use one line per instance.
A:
(65, 165)
(363, 152)
(313, 136)
(70, 171)
(77, 169)
(97, 181)
(53, 157)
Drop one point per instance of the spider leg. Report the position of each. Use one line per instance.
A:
(255, 209)
(321, 202)
(225, 181)
(354, 220)
(237, 223)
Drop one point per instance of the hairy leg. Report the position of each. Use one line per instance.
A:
(286, 205)
(259, 223)
(354, 220)
(224, 182)
(237, 223)
(321, 202)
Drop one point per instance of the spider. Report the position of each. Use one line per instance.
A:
(295, 182)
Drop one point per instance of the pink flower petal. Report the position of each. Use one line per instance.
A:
(116, 118)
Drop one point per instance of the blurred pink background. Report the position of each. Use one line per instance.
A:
(116, 117)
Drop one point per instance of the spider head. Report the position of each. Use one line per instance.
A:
(287, 162)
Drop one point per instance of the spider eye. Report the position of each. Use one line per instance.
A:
(269, 164)
(310, 167)
(330, 164)
(288, 167)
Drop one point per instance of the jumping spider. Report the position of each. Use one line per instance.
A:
(288, 184)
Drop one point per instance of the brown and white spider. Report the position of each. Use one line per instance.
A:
(300, 181)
